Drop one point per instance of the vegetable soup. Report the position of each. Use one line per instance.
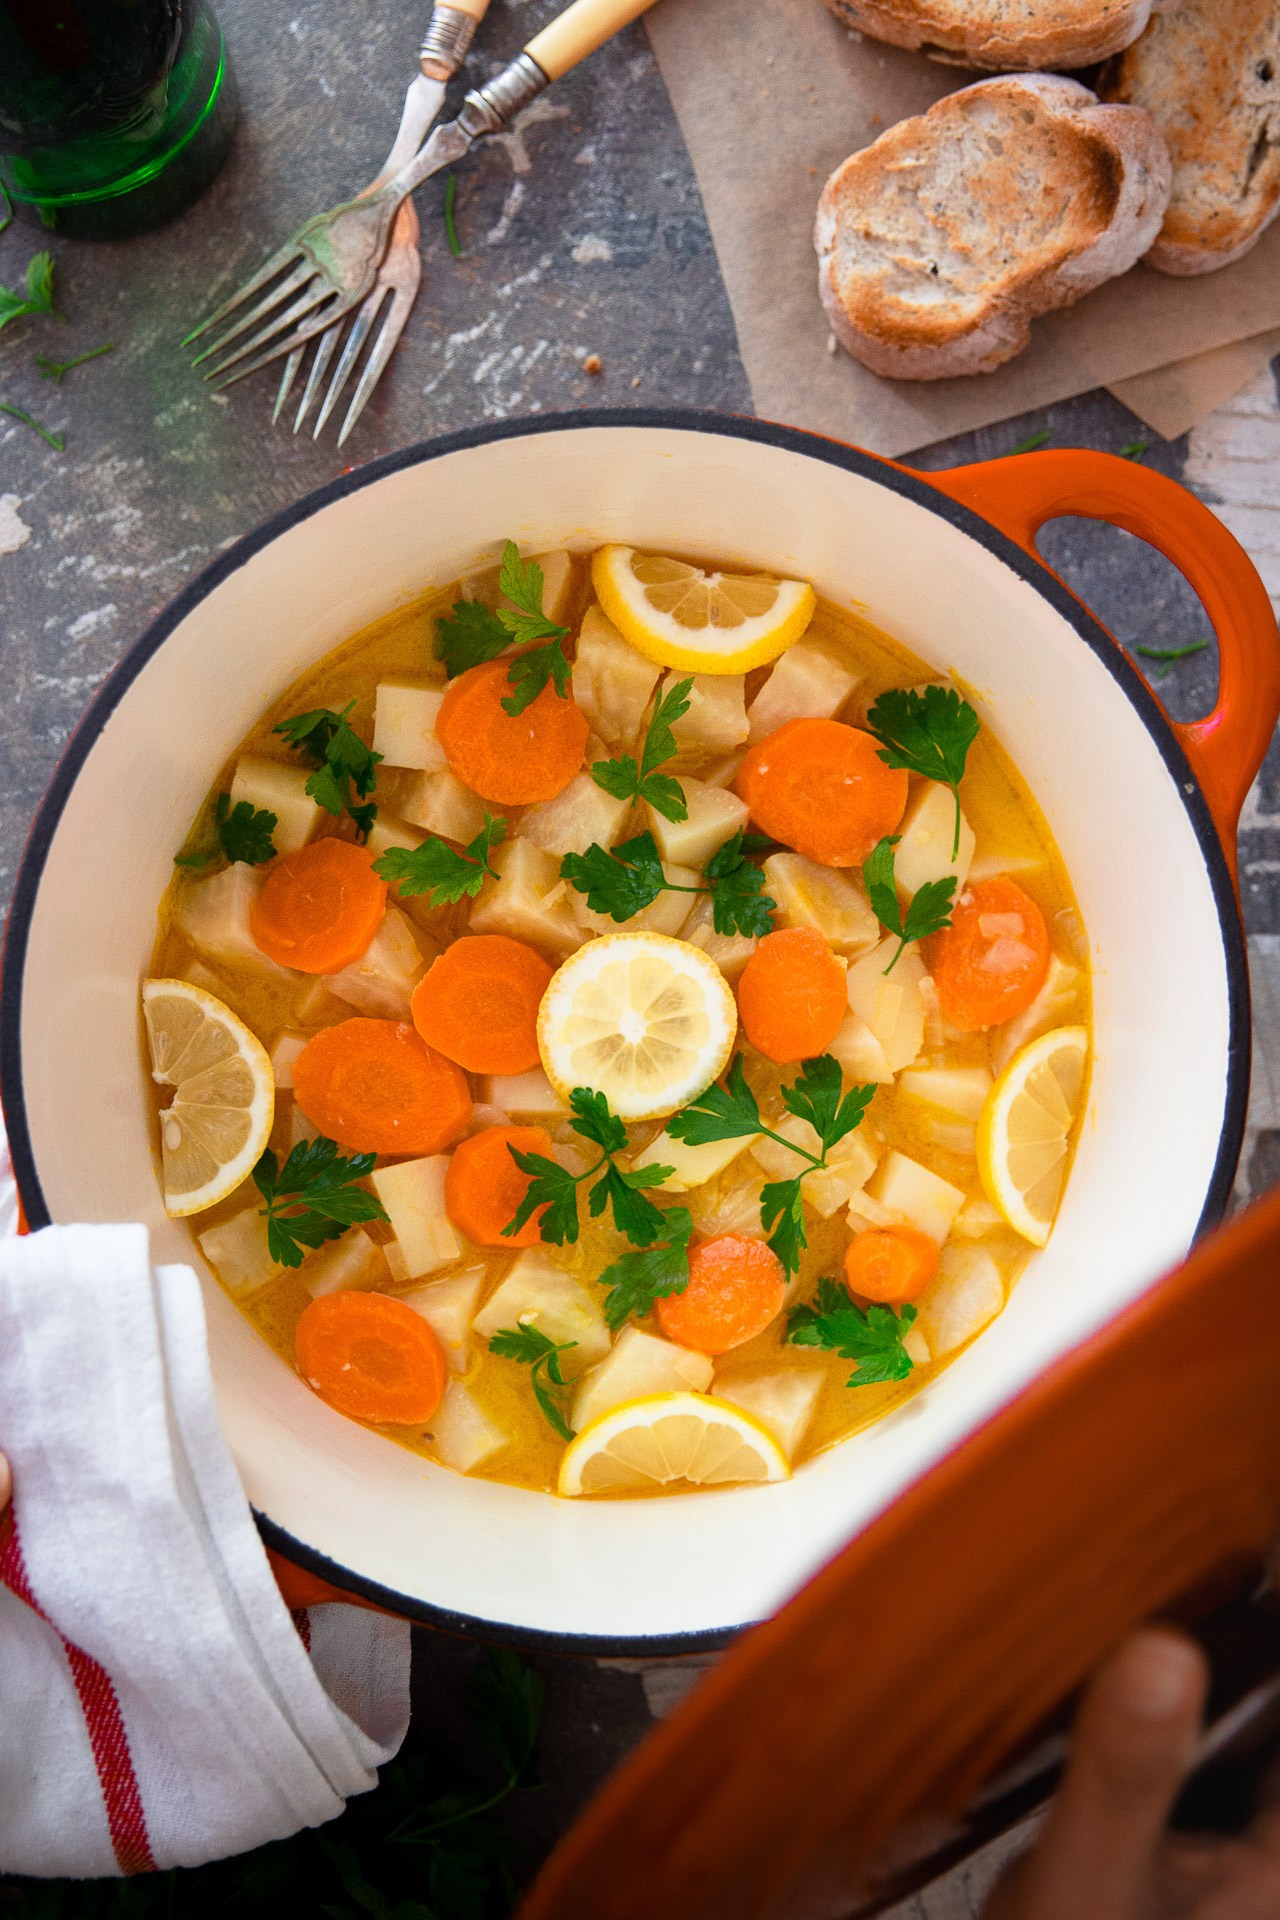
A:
(618, 1025)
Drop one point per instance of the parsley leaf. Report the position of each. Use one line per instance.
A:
(636, 1280)
(927, 731)
(530, 672)
(313, 1198)
(244, 831)
(732, 1114)
(474, 634)
(523, 583)
(39, 294)
(552, 1186)
(533, 1349)
(621, 883)
(345, 762)
(874, 1338)
(628, 780)
(739, 903)
(439, 870)
(930, 909)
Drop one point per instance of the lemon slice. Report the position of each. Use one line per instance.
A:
(682, 616)
(220, 1119)
(1025, 1126)
(650, 1443)
(646, 1020)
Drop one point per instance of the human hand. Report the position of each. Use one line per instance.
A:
(1104, 1852)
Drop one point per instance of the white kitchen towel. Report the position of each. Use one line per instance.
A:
(158, 1703)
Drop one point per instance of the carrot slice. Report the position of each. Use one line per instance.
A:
(891, 1263)
(478, 1003)
(375, 1086)
(822, 788)
(736, 1287)
(991, 962)
(371, 1358)
(484, 1186)
(504, 757)
(792, 995)
(320, 907)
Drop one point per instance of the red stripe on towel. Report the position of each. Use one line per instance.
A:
(126, 1821)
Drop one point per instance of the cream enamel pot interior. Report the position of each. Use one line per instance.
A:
(1135, 829)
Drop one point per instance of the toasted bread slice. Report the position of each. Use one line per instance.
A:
(1210, 73)
(940, 243)
(1004, 33)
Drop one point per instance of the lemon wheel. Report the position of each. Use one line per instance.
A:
(213, 1133)
(644, 1019)
(668, 1437)
(682, 616)
(1024, 1130)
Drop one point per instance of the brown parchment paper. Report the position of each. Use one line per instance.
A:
(771, 96)
(1174, 399)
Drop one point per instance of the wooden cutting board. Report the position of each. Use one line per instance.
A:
(1138, 1476)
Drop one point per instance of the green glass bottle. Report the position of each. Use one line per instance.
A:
(114, 114)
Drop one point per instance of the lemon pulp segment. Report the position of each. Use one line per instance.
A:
(1025, 1128)
(213, 1133)
(682, 616)
(667, 1437)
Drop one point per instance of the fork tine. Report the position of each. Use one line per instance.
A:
(287, 379)
(301, 338)
(324, 354)
(276, 264)
(318, 294)
(350, 354)
(374, 366)
(290, 284)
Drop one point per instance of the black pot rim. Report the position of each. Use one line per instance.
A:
(790, 439)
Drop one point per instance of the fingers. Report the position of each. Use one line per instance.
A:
(6, 1483)
(1132, 1742)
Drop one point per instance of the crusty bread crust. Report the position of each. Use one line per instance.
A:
(999, 34)
(1210, 73)
(941, 242)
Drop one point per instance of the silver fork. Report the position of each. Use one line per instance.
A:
(331, 263)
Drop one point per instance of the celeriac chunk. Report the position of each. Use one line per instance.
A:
(525, 1096)
(612, 683)
(448, 1307)
(539, 1293)
(717, 717)
(281, 788)
(782, 1402)
(667, 913)
(860, 1054)
(959, 1090)
(215, 918)
(353, 1264)
(413, 1195)
(462, 1434)
(926, 837)
(730, 951)
(404, 726)
(714, 816)
(966, 1292)
(285, 1051)
(691, 1166)
(529, 901)
(381, 982)
(639, 1364)
(237, 1251)
(580, 816)
(850, 1163)
(828, 898)
(388, 832)
(907, 1191)
(808, 683)
(439, 803)
(891, 1006)
(557, 584)
(1053, 1006)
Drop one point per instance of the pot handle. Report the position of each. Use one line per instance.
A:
(1018, 495)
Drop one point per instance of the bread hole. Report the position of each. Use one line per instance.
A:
(1265, 72)
(994, 145)
(1257, 154)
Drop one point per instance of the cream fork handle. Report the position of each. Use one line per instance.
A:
(579, 30)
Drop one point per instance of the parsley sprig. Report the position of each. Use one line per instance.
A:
(244, 833)
(345, 763)
(874, 1338)
(927, 731)
(732, 1113)
(636, 1280)
(554, 1187)
(929, 911)
(313, 1197)
(39, 294)
(629, 779)
(57, 370)
(535, 1351)
(625, 881)
(442, 872)
(476, 633)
